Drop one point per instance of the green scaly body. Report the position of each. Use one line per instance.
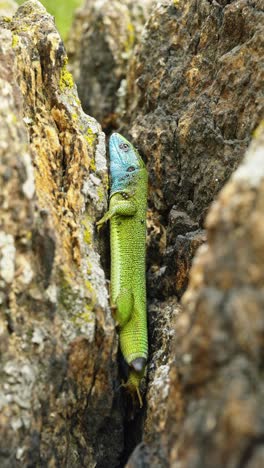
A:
(127, 214)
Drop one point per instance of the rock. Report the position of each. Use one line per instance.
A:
(7, 8)
(176, 252)
(100, 44)
(194, 97)
(58, 397)
(223, 331)
(213, 413)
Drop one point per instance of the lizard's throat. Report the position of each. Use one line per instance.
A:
(123, 182)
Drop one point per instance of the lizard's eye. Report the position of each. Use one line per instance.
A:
(124, 146)
(130, 169)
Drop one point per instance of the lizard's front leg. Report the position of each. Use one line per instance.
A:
(122, 208)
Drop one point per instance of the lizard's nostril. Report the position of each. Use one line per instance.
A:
(138, 364)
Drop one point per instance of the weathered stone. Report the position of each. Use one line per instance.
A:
(58, 342)
(175, 250)
(7, 8)
(194, 96)
(213, 414)
(220, 335)
(101, 41)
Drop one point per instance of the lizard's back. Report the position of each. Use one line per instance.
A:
(128, 252)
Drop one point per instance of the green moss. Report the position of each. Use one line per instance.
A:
(66, 79)
(15, 40)
(6, 19)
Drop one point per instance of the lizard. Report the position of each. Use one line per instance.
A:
(127, 215)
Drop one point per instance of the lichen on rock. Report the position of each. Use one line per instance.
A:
(58, 341)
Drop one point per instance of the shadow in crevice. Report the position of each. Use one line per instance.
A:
(133, 417)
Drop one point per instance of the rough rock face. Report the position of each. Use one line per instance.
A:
(100, 44)
(8, 7)
(213, 411)
(58, 343)
(219, 347)
(193, 99)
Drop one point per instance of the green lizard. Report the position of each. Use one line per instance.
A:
(127, 214)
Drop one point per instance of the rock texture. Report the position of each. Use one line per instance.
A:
(220, 343)
(101, 41)
(8, 7)
(194, 96)
(193, 101)
(58, 343)
(210, 404)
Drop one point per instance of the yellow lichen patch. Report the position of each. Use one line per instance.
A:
(91, 293)
(100, 193)
(90, 137)
(15, 40)
(92, 165)
(130, 37)
(105, 181)
(66, 79)
(89, 267)
(259, 130)
(87, 315)
(87, 234)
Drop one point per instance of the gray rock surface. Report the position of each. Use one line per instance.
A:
(192, 104)
(194, 100)
(58, 342)
(219, 347)
(8, 8)
(194, 97)
(100, 43)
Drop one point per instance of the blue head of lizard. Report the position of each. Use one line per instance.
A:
(125, 163)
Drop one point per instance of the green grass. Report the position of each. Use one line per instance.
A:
(62, 10)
